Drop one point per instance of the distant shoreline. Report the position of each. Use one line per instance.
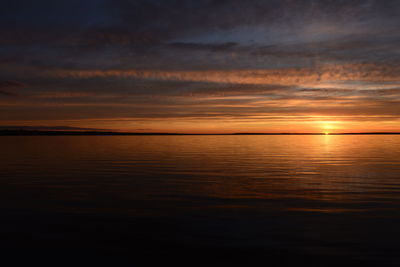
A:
(107, 133)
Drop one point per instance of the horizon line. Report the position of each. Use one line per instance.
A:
(86, 132)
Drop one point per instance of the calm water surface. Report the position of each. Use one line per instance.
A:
(305, 199)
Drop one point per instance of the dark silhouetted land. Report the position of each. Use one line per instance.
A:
(82, 133)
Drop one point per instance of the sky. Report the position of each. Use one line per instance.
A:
(201, 66)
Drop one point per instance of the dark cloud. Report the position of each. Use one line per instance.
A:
(210, 47)
(8, 88)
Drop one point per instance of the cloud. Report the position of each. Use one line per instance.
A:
(289, 76)
(7, 88)
(151, 33)
(201, 46)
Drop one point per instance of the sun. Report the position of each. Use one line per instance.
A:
(327, 127)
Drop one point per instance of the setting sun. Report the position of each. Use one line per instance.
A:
(330, 126)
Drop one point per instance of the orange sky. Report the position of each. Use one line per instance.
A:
(297, 67)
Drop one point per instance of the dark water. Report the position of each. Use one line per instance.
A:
(201, 200)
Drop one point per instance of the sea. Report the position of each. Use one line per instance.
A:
(201, 200)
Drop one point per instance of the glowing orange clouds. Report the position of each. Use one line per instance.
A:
(288, 76)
